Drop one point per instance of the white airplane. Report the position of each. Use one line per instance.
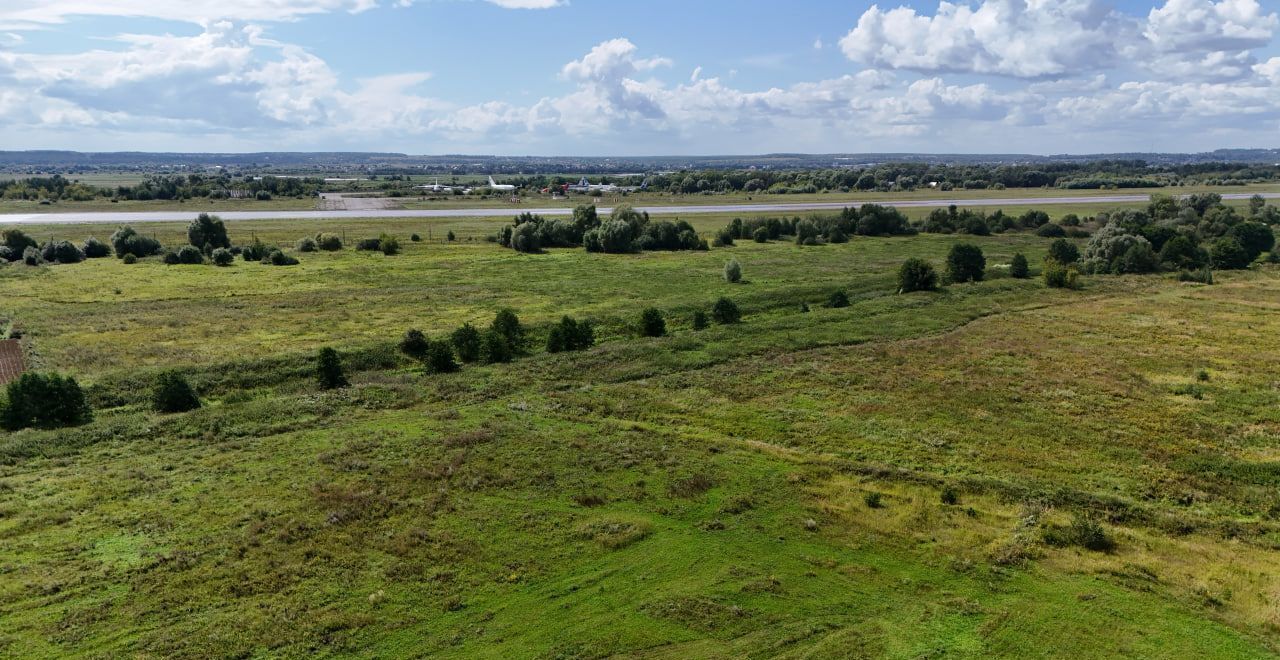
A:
(436, 187)
(493, 185)
(585, 186)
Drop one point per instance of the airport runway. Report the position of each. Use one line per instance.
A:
(113, 217)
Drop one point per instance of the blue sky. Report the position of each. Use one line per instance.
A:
(590, 77)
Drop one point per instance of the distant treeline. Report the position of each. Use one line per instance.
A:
(161, 186)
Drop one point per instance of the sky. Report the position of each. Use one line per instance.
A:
(662, 77)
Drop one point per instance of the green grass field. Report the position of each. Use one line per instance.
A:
(698, 495)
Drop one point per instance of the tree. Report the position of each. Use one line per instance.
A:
(414, 344)
(917, 275)
(760, 235)
(329, 242)
(570, 335)
(1181, 253)
(329, 370)
(652, 324)
(439, 358)
(494, 348)
(732, 271)
(507, 324)
(525, 238)
(1226, 253)
(1064, 251)
(45, 401)
(1254, 237)
(613, 237)
(1018, 268)
(466, 341)
(699, 320)
(63, 252)
(1256, 204)
(725, 312)
(966, 263)
(126, 240)
(95, 249)
(1139, 258)
(222, 257)
(190, 255)
(207, 230)
(173, 394)
(388, 244)
(17, 241)
(838, 299)
(1060, 276)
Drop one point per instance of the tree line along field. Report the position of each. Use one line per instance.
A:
(902, 477)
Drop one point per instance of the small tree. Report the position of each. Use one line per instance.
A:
(917, 275)
(965, 263)
(222, 257)
(451, 237)
(1064, 252)
(329, 242)
(63, 252)
(329, 370)
(414, 344)
(47, 401)
(173, 394)
(699, 320)
(95, 249)
(732, 271)
(652, 324)
(507, 324)
(439, 358)
(1018, 267)
(388, 244)
(207, 230)
(307, 244)
(1226, 253)
(760, 235)
(126, 240)
(279, 258)
(1059, 276)
(725, 312)
(31, 256)
(838, 299)
(494, 348)
(466, 342)
(190, 255)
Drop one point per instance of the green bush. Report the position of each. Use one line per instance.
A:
(329, 370)
(388, 244)
(31, 257)
(415, 238)
(189, 255)
(329, 242)
(1051, 230)
(451, 237)
(255, 251)
(439, 358)
(1064, 252)
(17, 241)
(308, 244)
(222, 257)
(1018, 267)
(279, 258)
(63, 252)
(1203, 276)
(570, 335)
(414, 344)
(1182, 252)
(949, 496)
(917, 275)
(507, 324)
(173, 394)
(495, 348)
(130, 259)
(732, 271)
(965, 263)
(1058, 276)
(45, 401)
(725, 312)
(1254, 237)
(369, 244)
(700, 320)
(207, 230)
(873, 500)
(760, 235)
(1084, 531)
(838, 299)
(466, 342)
(652, 324)
(1226, 253)
(126, 240)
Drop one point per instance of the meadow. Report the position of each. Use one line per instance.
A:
(896, 478)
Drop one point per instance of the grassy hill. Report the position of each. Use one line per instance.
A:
(910, 476)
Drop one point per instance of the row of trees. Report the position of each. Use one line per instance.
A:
(626, 230)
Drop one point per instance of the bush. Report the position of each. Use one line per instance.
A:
(95, 249)
(965, 263)
(1254, 237)
(917, 275)
(1226, 253)
(570, 335)
(949, 496)
(126, 240)
(1018, 267)
(308, 244)
(63, 252)
(17, 241)
(222, 257)
(724, 238)
(388, 244)
(1058, 276)
(1181, 252)
(329, 242)
(507, 324)
(725, 312)
(1051, 231)
(369, 244)
(188, 254)
(439, 358)
(838, 299)
(6, 254)
(873, 500)
(1064, 252)
(732, 271)
(1139, 258)
(1203, 276)
(31, 257)
(45, 401)
(173, 394)
(451, 237)
(414, 344)
(495, 348)
(329, 370)
(466, 342)
(130, 259)
(1084, 531)
(207, 230)
(255, 251)
(278, 258)
(415, 238)
(1104, 250)
(652, 324)
(760, 235)
(699, 320)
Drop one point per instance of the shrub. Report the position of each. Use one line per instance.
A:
(699, 320)
(439, 358)
(222, 257)
(495, 348)
(173, 394)
(837, 236)
(1064, 252)
(838, 299)
(466, 342)
(64, 252)
(6, 254)
(1018, 267)
(126, 240)
(613, 237)
(414, 344)
(873, 500)
(1203, 276)
(130, 259)
(966, 263)
(1181, 252)
(255, 251)
(1103, 252)
(329, 242)
(329, 370)
(1139, 258)
(724, 238)
(652, 324)
(571, 335)
(207, 230)
(31, 257)
(188, 254)
(451, 237)
(17, 241)
(949, 496)
(308, 244)
(415, 238)
(46, 401)
(1083, 531)
(95, 249)
(732, 271)
(1058, 276)
(369, 244)
(507, 324)
(917, 275)
(725, 312)
(1051, 231)
(278, 258)
(1254, 237)
(760, 235)
(388, 244)
(1226, 253)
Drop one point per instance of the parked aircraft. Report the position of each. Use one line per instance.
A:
(500, 187)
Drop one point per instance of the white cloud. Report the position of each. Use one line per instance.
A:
(1204, 26)
(529, 4)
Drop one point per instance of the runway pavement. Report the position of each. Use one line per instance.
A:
(113, 217)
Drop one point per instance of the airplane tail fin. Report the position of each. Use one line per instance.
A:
(584, 183)
(644, 185)
(492, 182)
